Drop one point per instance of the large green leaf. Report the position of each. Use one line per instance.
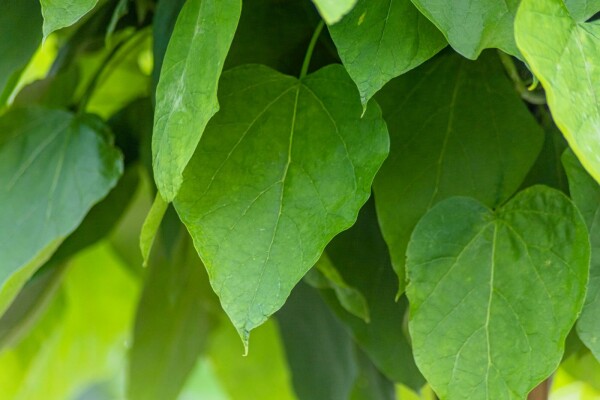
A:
(333, 10)
(319, 351)
(493, 295)
(362, 258)
(186, 95)
(62, 13)
(581, 10)
(381, 39)
(282, 168)
(174, 317)
(457, 127)
(565, 59)
(53, 167)
(23, 20)
(472, 26)
(586, 195)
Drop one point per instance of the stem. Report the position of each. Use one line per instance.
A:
(520, 86)
(311, 48)
(541, 392)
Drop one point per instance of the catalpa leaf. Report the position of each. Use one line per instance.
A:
(54, 167)
(62, 13)
(565, 59)
(333, 10)
(282, 168)
(493, 295)
(186, 95)
(381, 39)
(586, 195)
(457, 128)
(472, 26)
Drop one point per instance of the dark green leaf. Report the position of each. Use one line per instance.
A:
(381, 39)
(472, 26)
(319, 350)
(586, 195)
(19, 19)
(493, 295)
(370, 383)
(361, 257)
(457, 127)
(173, 321)
(53, 167)
(186, 95)
(283, 168)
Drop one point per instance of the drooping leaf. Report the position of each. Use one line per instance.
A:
(186, 95)
(565, 60)
(586, 195)
(151, 225)
(381, 39)
(62, 13)
(457, 127)
(23, 20)
(333, 10)
(121, 9)
(361, 256)
(283, 168)
(53, 167)
(174, 319)
(81, 339)
(493, 295)
(324, 275)
(581, 10)
(472, 26)
(319, 350)
(245, 377)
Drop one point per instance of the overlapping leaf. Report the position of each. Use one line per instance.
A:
(493, 295)
(282, 168)
(381, 39)
(62, 13)
(457, 127)
(53, 167)
(586, 195)
(186, 95)
(565, 59)
(472, 26)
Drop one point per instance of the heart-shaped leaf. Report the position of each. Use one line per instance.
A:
(282, 168)
(565, 56)
(493, 295)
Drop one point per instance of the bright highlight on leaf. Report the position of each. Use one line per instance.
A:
(62, 13)
(457, 128)
(566, 61)
(475, 25)
(186, 95)
(53, 167)
(282, 168)
(493, 295)
(381, 39)
(333, 10)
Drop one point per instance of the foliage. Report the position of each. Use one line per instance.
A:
(382, 198)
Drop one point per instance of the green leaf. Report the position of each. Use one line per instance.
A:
(186, 95)
(582, 10)
(151, 225)
(586, 195)
(174, 319)
(319, 351)
(566, 63)
(370, 383)
(381, 39)
(362, 258)
(493, 295)
(472, 26)
(457, 127)
(18, 19)
(53, 167)
(62, 13)
(333, 10)
(281, 169)
(324, 275)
